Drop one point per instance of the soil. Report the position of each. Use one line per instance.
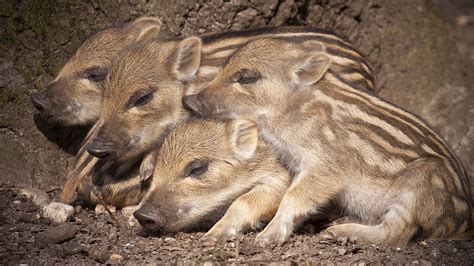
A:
(90, 238)
(436, 84)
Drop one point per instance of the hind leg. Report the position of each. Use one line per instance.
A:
(394, 230)
(426, 199)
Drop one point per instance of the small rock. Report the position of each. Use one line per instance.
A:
(133, 222)
(58, 212)
(129, 210)
(38, 197)
(422, 262)
(115, 259)
(113, 234)
(341, 251)
(77, 209)
(100, 209)
(170, 239)
(17, 202)
(435, 253)
(56, 235)
(99, 254)
(423, 244)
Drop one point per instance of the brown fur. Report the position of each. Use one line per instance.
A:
(167, 69)
(240, 178)
(381, 164)
(74, 96)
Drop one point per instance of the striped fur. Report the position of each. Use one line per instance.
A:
(132, 67)
(379, 163)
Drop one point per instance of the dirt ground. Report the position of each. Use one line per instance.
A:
(90, 238)
(26, 237)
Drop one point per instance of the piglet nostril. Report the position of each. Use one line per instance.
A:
(38, 100)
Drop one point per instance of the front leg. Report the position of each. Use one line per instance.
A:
(306, 195)
(247, 211)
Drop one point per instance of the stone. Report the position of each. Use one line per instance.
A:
(58, 212)
(56, 235)
(38, 197)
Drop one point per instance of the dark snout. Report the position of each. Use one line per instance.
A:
(194, 104)
(100, 149)
(148, 219)
(38, 100)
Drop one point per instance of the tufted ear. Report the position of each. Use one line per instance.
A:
(187, 58)
(311, 69)
(147, 28)
(243, 138)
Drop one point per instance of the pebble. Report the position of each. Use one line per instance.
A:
(38, 197)
(100, 209)
(129, 210)
(423, 243)
(133, 222)
(58, 212)
(56, 235)
(113, 234)
(115, 259)
(99, 254)
(17, 202)
(435, 253)
(170, 239)
(342, 251)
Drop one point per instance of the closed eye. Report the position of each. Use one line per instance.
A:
(96, 74)
(196, 168)
(140, 98)
(246, 76)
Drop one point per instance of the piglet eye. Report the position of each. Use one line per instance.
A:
(96, 74)
(140, 98)
(144, 99)
(197, 168)
(247, 76)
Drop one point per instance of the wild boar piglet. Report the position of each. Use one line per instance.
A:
(74, 96)
(208, 172)
(381, 164)
(142, 99)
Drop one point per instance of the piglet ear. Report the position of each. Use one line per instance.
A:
(187, 58)
(147, 28)
(312, 69)
(148, 165)
(243, 138)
